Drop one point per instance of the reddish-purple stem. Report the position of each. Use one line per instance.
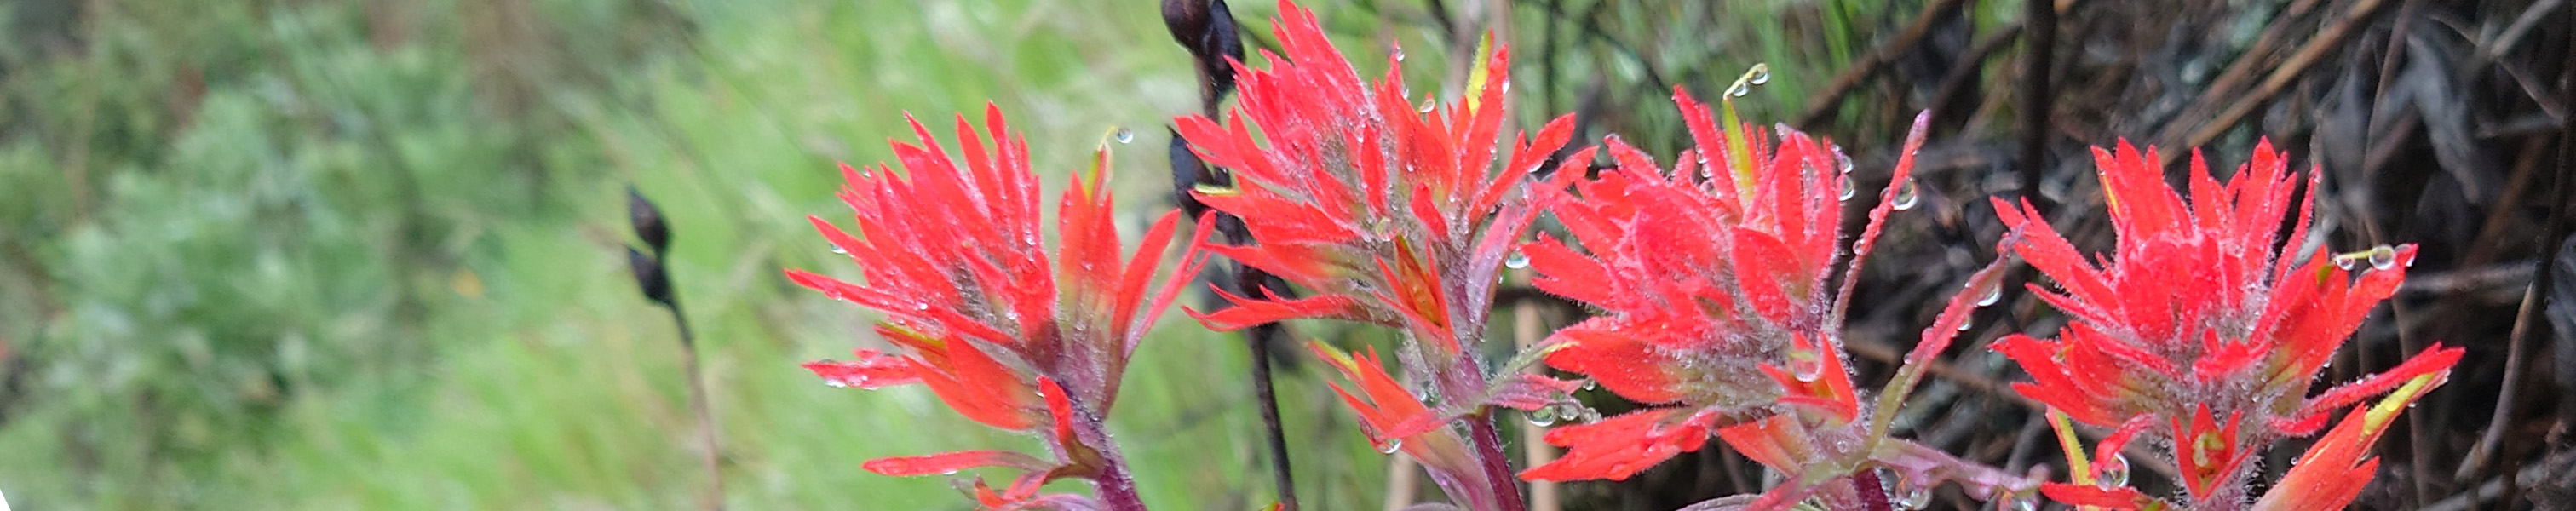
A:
(1498, 469)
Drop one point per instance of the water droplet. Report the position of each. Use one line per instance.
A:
(1904, 493)
(1588, 384)
(1843, 161)
(1123, 135)
(1390, 446)
(2014, 502)
(1806, 366)
(836, 383)
(2113, 472)
(1542, 417)
(1739, 90)
(2344, 261)
(1965, 324)
(1849, 188)
(836, 249)
(1993, 294)
(1569, 411)
(1761, 75)
(1397, 53)
(2383, 258)
(1516, 261)
(1906, 196)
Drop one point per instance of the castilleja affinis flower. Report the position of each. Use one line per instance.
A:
(1003, 331)
(2205, 326)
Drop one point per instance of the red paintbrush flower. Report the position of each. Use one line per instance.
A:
(1714, 286)
(1384, 213)
(2198, 321)
(981, 314)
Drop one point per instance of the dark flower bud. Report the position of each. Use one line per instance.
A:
(648, 276)
(1187, 173)
(1188, 20)
(647, 221)
(1220, 42)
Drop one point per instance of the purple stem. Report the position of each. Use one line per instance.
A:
(1498, 469)
(1117, 488)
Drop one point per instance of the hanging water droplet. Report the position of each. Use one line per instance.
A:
(1569, 411)
(1843, 160)
(2345, 261)
(1390, 446)
(1739, 90)
(1429, 104)
(1516, 261)
(1123, 135)
(836, 249)
(2383, 258)
(1542, 417)
(836, 383)
(1965, 324)
(1904, 493)
(1588, 384)
(1993, 294)
(1761, 75)
(2014, 502)
(2113, 472)
(1906, 196)
(1849, 188)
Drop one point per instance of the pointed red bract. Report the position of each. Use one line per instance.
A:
(980, 312)
(2205, 317)
(1714, 284)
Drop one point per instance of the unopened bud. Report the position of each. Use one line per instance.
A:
(648, 276)
(647, 221)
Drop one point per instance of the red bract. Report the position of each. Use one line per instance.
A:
(1384, 213)
(2198, 324)
(983, 316)
(1714, 286)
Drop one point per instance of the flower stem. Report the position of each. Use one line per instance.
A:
(1498, 469)
(1116, 486)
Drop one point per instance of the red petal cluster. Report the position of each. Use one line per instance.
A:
(978, 310)
(1388, 212)
(2198, 320)
(1713, 280)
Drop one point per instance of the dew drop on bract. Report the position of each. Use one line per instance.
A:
(1806, 367)
(1993, 294)
(1849, 188)
(1906, 196)
(2344, 262)
(1390, 446)
(2383, 258)
(1843, 160)
(1964, 325)
(1123, 135)
(1542, 417)
(836, 249)
(2113, 473)
(1588, 384)
(836, 383)
(1516, 261)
